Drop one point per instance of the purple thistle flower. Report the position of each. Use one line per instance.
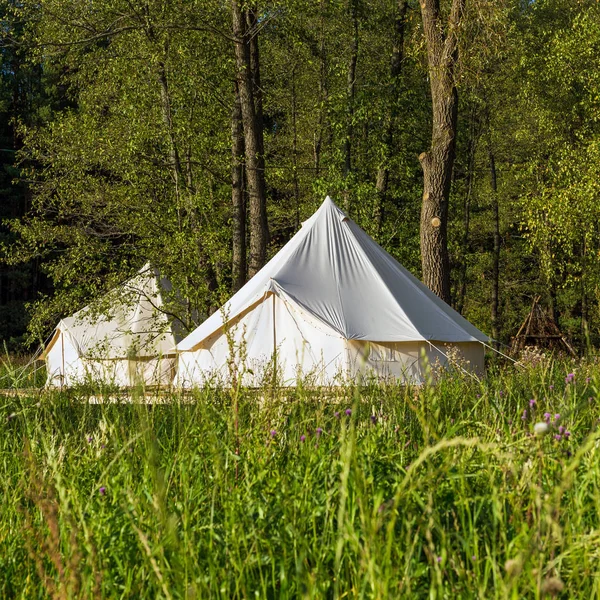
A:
(336, 414)
(587, 379)
(532, 403)
(501, 394)
(348, 411)
(567, 435)
(551, 387)
(319, 431)
(373, 419)
(561, 430)
(102, 491)
(479, 395)
(302, 438)
(524, 415)
(439, 559)
(273, 433)
(547, 417)
(90, 439)
(556, 417)
(558, 437)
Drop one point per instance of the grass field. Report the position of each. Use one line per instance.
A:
(443, 491)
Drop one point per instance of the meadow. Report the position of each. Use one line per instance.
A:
(456, 489)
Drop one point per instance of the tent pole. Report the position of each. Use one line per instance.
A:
(274, 344)
(62, 348)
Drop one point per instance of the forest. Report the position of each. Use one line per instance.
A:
(191, 139)
(462, 135)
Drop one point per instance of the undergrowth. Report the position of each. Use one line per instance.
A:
(443, 491)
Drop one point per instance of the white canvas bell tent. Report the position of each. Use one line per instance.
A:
(124, 339)
(332, 305)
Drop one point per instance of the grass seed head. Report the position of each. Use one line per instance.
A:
(552, 586)
(513, 566)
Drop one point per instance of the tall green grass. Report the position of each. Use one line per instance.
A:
(21, 372)
(434, 492)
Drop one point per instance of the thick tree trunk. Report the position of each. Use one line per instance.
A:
(438, 161)
(257, 92)
(238, 198)
(496, 254)
(383, 171)
(350, 95)
(246, 53)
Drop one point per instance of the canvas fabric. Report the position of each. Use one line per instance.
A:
(131, 343)
(331, 273)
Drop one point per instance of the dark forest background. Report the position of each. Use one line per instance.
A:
(198, 135)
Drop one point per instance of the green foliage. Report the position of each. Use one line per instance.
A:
(439, 491)
(559, 58)
(105, 199)
(122, 118)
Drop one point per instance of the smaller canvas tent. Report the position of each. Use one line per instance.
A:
(330, 306)
(125, 339)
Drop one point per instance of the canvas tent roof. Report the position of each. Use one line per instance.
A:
(127, 320)
(337, 273)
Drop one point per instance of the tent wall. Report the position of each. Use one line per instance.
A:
(66, 367)
(306, 349)
(63, 364)
(406, 361)
(311, 351)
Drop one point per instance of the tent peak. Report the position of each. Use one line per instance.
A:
(330, 206)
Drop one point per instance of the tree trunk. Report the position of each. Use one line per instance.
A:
(584, 300)
(295, 151)
(473, 136)
(252, 23)
(496, 255)
(383, 171)
(203, 260)
(323, 93)
(438, 161)
(238, 200)
(165, 99)
(350, 94)
(248, 80)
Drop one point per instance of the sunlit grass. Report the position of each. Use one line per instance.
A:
(377, 492)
